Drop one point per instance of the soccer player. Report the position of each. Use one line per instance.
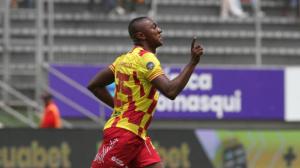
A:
(137, 75)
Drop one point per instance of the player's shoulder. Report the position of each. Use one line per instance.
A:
(144, 58)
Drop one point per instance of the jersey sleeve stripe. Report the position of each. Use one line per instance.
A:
(112, 68)
(153, 76)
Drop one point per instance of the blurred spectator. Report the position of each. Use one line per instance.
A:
(2, 6)
(109, 6)
(233, 7)
(14, 3)
(22, 3)
(253, 5)
(28, 3)
(120, 7)
(292, 7)
(132, 5)
(51, 115)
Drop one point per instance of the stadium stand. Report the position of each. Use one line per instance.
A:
(80, 36)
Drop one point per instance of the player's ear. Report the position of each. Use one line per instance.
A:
(140, 36)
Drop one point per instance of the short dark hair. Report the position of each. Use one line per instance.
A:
(132, 29)
(46, 96)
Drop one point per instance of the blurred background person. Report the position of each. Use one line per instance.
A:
(132, 5)
(14, 3)
(232, 7)
(51, 115)
(2, 5)
(253, 4)
(121, 7)
(292, 8)
(108, 6)
(21, 4)
(27, 3)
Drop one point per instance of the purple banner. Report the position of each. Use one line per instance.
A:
(227, 94)
(82, 75)
(212, 93)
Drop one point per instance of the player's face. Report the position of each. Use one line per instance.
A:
(153, 33)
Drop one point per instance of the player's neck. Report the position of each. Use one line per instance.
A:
(147, 47)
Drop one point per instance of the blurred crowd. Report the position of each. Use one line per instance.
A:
(22, 3)
(229, 8)
(119, 7)
(292, 7)
(235, 8)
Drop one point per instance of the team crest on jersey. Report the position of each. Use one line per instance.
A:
(150, 65)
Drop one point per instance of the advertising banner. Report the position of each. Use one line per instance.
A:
(212, 93)
(180, 149)
(207, 148)
(259, 149)
(292, 94)
(28, 148)
(227, 94)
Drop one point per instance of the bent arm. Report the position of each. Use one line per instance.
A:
(171, 88)
(98, 86)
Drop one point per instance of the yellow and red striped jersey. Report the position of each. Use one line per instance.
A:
(135, 98)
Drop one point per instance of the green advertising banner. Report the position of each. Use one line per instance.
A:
(251, 149)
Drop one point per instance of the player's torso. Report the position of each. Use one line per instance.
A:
(131, 85)
(135, 98)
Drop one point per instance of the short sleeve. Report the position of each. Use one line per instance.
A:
(150, 66)
(113, 65)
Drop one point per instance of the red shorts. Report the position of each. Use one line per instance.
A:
(124, 149)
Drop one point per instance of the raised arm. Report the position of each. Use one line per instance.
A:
(98, 86)
(171, 88)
